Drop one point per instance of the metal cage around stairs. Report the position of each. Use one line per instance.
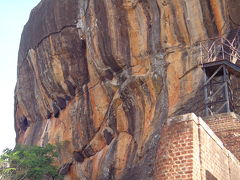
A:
(219, 58)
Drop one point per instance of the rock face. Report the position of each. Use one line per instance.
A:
(102, 76)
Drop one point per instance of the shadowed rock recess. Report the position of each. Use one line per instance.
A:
(100, 77)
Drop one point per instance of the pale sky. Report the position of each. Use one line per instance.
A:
(13, 16)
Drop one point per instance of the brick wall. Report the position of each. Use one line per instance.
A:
(227, 127)
(189, 150)
(176, 159)
(214, 157)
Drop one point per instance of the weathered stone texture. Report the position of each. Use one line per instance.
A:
(104, 75)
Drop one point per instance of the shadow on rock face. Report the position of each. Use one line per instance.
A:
(24, 123)
(234, 6)
(195, 104)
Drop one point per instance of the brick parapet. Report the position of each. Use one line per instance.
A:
(175, 158)
(189, 149)
(227, 127)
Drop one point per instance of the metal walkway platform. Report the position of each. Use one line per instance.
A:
(213, 66)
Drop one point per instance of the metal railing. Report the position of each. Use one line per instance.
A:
(221, 48)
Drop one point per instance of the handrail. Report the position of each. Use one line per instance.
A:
(218, 48)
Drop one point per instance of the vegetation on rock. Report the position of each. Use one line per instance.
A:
(29, 162)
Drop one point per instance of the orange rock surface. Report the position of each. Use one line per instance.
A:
(103, 76)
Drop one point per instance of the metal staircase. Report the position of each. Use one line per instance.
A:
(218, 58)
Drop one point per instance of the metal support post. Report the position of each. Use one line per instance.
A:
(225, 78)
(205, 93)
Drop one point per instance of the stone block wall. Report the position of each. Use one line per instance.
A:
(189, 150)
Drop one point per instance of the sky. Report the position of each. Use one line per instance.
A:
(13, 16)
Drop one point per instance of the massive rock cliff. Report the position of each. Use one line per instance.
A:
(100, 77)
